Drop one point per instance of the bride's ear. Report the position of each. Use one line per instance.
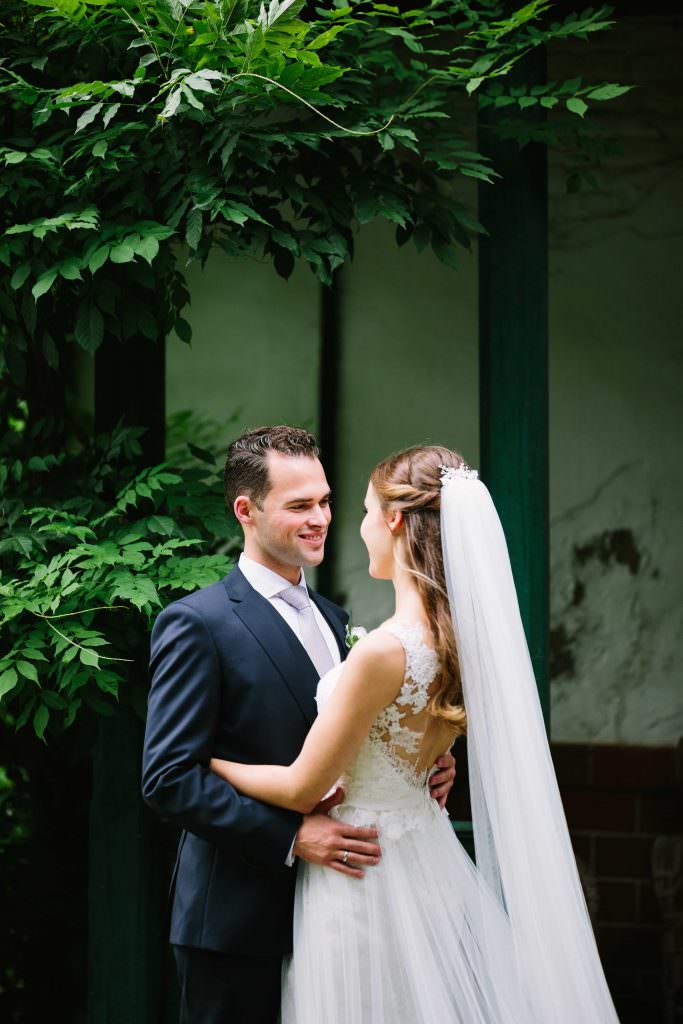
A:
(395, 521)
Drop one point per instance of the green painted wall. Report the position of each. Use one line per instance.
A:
(254, 348)
(409, 335)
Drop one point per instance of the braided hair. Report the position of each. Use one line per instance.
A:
(410, 481)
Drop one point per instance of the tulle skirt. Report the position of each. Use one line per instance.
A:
(419, 940)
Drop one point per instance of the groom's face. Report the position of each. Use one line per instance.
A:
(291, 527)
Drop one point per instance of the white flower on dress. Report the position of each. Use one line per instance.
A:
(354, 634)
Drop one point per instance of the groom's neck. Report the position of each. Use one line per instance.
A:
(292, 573)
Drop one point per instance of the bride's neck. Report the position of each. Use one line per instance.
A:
(409, 604)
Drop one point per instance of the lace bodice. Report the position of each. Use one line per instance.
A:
(387, 780)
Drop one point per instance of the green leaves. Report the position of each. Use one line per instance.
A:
(40, 720)
(577, 106)
(148, 248)
(13, 156)
(88, 116)
(70, 269)
(193, 228)
(44, 283)
(98, 258)
(446, 253)
(188, 572)
(77, 600)
(89, 327)
(28, 670)
(53, 700)
(87, 219)
(20, 275)
(270, 130)
(609, 91)
(122, 253)
(325, 38)
(89, 658)
(277, 10)
(549, 94)
(183, 330)
(8, 680)
(172, 104)
(140, 591)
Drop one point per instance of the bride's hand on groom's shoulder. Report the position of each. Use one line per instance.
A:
(334, 844)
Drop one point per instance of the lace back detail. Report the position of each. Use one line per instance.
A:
(404, 725)
(387, 783)
(422, 663)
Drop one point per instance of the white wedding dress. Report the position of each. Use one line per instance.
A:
(403, 945)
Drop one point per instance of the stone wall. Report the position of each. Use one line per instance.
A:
(616, 476)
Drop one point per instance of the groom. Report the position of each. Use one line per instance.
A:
(234, 672)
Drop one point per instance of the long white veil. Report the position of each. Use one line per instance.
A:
(521, 839)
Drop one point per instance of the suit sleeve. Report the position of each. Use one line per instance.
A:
(183, 707)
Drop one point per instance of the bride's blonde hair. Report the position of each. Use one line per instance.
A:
(410, 481)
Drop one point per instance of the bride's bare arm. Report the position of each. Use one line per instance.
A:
(371, 678)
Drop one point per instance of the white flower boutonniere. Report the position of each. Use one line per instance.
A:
(354, 634)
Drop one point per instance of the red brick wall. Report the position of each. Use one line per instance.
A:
(618, 800)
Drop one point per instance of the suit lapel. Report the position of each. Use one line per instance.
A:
(267, 626)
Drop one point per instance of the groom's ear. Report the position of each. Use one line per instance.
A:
(243, 509)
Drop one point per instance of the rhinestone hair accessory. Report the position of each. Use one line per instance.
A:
(451, 472)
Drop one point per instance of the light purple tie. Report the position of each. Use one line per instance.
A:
(311, 635)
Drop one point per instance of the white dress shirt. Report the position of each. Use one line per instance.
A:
(268, 584)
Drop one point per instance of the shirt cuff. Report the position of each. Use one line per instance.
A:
(289, 862)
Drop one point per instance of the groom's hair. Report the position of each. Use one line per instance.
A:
(246, 466)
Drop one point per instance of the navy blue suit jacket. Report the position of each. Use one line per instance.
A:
(229, 679)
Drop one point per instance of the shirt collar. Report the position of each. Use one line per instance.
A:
(264, 580)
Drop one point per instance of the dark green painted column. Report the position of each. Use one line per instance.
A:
(126, 884)
(328, 421)
(513, 340)
(127, 874)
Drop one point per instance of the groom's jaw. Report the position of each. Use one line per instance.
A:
(311, 546)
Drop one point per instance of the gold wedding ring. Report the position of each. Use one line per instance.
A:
(345, 856)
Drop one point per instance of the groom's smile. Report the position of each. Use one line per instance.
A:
(314, 539)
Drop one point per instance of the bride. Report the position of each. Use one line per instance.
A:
(426, 936)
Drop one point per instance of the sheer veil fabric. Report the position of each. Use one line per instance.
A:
(521, 838)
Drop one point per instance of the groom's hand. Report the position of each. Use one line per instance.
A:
(322, 840)
(442, 778)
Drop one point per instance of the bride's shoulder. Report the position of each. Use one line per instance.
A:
(381, 654)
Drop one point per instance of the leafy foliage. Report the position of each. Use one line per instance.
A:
(138, 131)
(137, 128)
(80, 580)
